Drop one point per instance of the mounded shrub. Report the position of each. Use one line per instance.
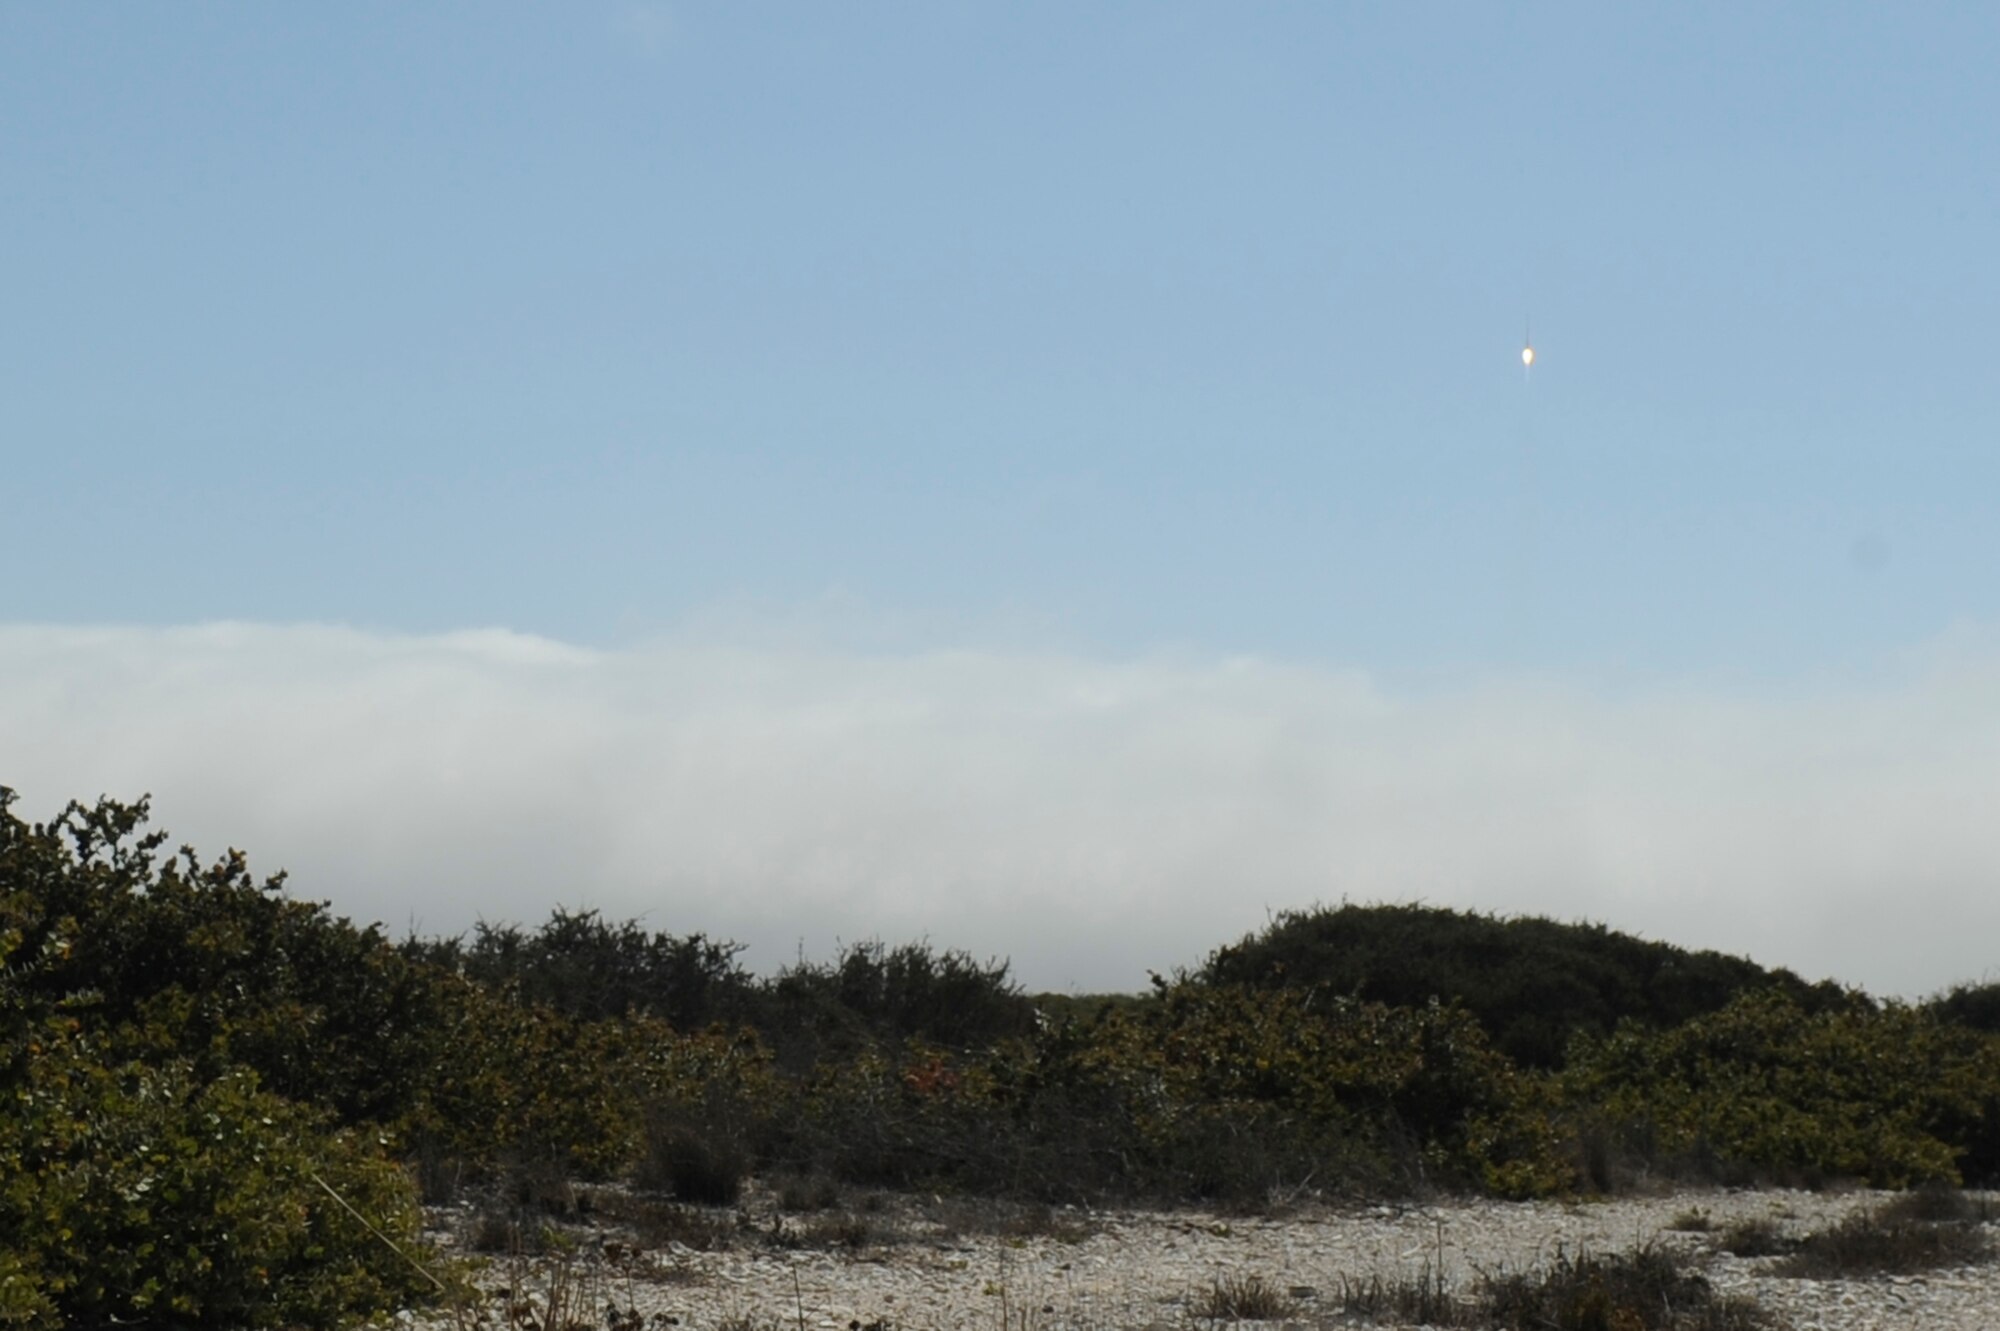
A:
(1533, 984)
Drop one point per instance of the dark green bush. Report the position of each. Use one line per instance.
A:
(1972, 1005)
(703, 1167)
(202, 961)
(588, 969)
(1534, 984)
(876, 995)
(1420, 1089)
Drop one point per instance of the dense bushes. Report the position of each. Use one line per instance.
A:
(144, 1173)
(204, 962)
(1217, 1094)
(190, 1059)
(873, 994)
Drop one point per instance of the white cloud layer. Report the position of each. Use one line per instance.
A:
(1090, 819)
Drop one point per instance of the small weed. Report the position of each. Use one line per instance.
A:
(1044, 1222)
(498, 1230)
(745, 1322)
(559, 1294)
(540, 1185)
(1694, 1220)
(847, 1229)
(1423, 1299)
(1758, 1237)
(841, 1231)
(815, 1192)
(958, 1216)
(1236, 1298)
(491, 1231)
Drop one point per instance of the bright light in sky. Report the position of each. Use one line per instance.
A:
(859, 340)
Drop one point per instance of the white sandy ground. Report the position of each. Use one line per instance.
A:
(1144, 1271)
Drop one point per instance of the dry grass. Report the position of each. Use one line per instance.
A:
(1424, 1299)
(1694, 1220)
(1648, 1289)
(1241, 1298)
(1937, 1204)
(1885, 1242)
(810, 1193)
(1759, 1237)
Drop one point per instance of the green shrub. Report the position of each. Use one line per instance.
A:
(132, 1193)
(1217, 1094)
(1892, 1096)
(708, 1103)
(205, 962)
(516, 1085)
(1421, 1088)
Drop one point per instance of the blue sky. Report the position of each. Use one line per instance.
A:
(861, 341)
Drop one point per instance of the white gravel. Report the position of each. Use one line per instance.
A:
(1147, 1271)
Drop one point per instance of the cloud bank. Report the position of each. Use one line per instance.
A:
(1090, 819)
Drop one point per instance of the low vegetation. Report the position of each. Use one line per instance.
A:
(1896, 1240)
(1240, 1298)
(1424, 1299)
(1760, 1236)
(187, 1050)
(1650, 1288)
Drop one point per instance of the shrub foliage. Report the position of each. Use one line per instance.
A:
(1890, 1095)
(146, 1174)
